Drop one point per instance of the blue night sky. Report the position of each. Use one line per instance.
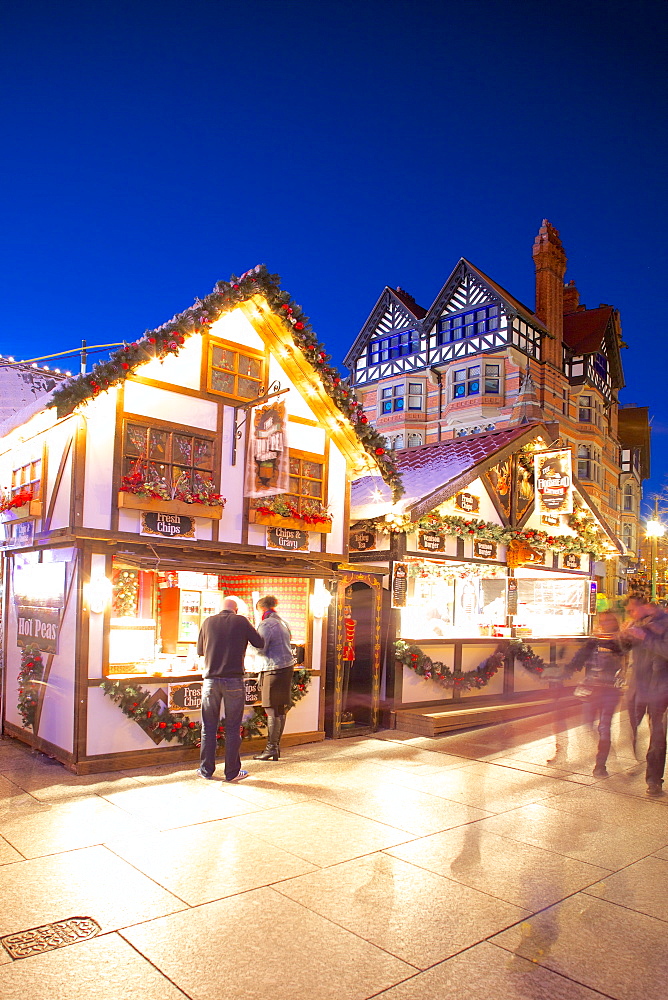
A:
(151, 149)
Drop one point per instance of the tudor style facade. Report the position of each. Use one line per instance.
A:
(479, 360)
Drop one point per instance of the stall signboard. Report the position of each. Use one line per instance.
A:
(361, 540)
(252, 685)
(19, 534)
(554, 482)
(467, 502)
(572, 560)
(39, 597)
(593, 593)
(431, 541)
(399, 584)
(511, 597)
(168, 525)
(184, 697)
(553, 520)
(287, 539)
(484, 549)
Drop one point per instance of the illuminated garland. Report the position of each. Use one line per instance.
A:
(449, 524)
(170, 337)
(134, 702)
(425, 570)
(423, 665)
(30, 678)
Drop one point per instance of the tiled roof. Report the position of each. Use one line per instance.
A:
(584, 330)
(520, 308)
(430, 468)
(22, 385)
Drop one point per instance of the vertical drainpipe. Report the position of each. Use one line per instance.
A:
(439, 382)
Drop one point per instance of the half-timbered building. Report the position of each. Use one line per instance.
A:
(478, 359)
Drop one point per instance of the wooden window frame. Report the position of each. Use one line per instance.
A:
(171, 428)
(17, 486)
(248, 352)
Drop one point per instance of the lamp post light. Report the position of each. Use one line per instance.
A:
(654, 531)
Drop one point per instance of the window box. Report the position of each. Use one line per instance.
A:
(133, 502)
(278, 521)
(31, 509)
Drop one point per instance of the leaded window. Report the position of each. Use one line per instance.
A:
(396, 346)
(178, 460)
(468, 324)
(234, 372)
(476, 378)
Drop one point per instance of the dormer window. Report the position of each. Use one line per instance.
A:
(396, 346)
(468, 324)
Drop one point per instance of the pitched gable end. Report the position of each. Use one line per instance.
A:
(391, 314)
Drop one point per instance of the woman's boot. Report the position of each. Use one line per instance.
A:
(274, 730)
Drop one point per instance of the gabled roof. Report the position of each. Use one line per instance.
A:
(588, 331)
(495, 290)
(23, 385)
(634, 432)
(432, 473)
(414, 314)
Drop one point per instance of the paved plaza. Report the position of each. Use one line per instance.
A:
(488, 865)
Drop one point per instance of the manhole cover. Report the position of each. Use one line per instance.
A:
(23, 944)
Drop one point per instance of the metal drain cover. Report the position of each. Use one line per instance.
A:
(37, 940)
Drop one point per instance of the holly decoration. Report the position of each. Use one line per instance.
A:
(170, 337)
(135, 702)
(588, 539)
(414, 657)
(30, 678)
(312, 511)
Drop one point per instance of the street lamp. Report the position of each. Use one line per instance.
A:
(654, 531)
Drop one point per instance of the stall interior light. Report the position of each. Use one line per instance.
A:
(320, 600)
(99, 592)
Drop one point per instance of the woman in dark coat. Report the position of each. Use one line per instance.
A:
(276, 667)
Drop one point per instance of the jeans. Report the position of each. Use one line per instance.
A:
(602, 703)
(656, 754)
(232, 692)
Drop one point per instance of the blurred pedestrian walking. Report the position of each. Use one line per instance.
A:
(647, 636)
(603, 659)
(276, 667)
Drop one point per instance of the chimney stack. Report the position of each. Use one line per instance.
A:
(550, 261)
(571, 298)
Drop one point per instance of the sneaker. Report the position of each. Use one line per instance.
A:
(240, 777)
(600, 771)
(654, 788)
(201, 774)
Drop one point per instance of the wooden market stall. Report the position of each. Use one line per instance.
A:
(211, 457)
(491, 579)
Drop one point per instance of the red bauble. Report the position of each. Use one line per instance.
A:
(380, 451)
(364, 420)
(162, 725)
(123, 365)
(151, 340)
(299, 326)
(235, 286)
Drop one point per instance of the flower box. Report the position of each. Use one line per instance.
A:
(133, 502)
(278, 521)
(31, 509)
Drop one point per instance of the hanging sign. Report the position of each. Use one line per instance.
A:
(431, 541)
(39, 597)
(184, 697)
(571, 560)
(467, 502)
(19, 534)
(287, 539)
(168, 525)
(554, 482)
(511, 596)
(484, 549)
(399, 584)
(267, 464)
(362, 540)
(593, 591)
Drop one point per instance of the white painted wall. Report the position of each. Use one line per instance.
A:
(100, 421)
(184, 369)
(162, 404)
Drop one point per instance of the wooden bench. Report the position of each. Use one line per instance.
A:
(427, 722)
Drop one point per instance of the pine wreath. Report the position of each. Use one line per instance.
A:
(134, 702)
(29, 678)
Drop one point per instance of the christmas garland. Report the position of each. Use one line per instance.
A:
(29, 678)
(423, 665)
(449, 524)
(134, 702)
(169, 338)
(137, 484)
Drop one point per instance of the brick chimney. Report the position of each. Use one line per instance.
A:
(571, 298)
(550, 261)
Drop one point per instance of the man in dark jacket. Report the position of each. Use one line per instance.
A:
(222, 642)
(648, 637)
